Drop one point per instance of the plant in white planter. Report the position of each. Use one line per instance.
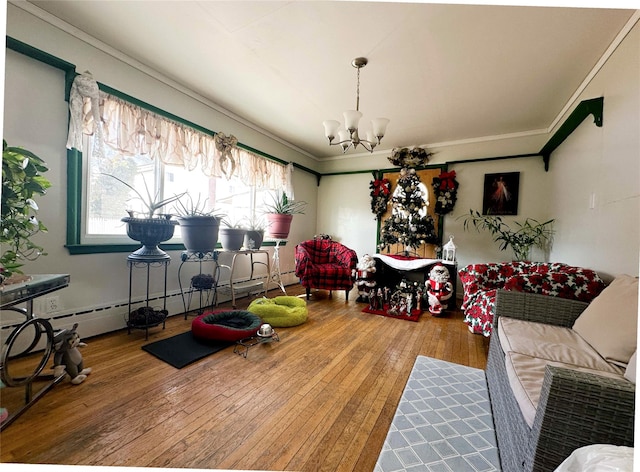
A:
(151, 229)
(279, 213)
(199, 227)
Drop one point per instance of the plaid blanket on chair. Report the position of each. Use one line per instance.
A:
(325, 264)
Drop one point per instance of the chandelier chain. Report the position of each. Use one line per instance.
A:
(358, 92)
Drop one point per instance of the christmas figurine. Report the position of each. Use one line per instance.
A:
(439, 289)
(365, 278)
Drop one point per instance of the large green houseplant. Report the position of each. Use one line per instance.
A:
(525, 235)
(279, 212)
(22, 183)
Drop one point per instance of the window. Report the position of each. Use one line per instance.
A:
(163, 157)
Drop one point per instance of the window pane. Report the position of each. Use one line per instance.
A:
(109, 199)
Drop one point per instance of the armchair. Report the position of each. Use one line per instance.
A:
(325, 264)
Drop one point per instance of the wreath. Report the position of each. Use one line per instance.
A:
(445, 187)
(410, 157)
(380, 190)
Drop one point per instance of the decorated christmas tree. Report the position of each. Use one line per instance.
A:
(409, 223)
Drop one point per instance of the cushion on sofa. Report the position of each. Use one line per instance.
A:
(630, 372)
(609, 323)
(552, 343)
(526, 374)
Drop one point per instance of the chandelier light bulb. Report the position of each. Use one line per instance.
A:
(331, 128)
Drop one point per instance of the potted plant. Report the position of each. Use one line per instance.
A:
(528, 234)
(280, 212)
(151, 229)
(199, 227)
(254, 235)
(231, 235)
(22, 181)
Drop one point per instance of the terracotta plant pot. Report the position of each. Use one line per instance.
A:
(279, 225)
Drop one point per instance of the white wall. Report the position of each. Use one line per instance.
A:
(35, 117)
(603, 162)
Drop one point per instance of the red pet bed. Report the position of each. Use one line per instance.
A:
(225, 325)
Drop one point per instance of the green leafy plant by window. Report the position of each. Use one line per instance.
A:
(22, 183)
(525, 235)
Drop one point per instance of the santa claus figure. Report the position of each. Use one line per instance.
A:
(439, 289)
(365, 279)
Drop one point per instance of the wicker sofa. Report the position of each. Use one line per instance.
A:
(481, 281)
(565, 394)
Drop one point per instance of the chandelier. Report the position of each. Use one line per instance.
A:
(349, 137)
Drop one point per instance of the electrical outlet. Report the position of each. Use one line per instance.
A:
(52, 304)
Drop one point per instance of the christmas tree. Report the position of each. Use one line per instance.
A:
(409, 223)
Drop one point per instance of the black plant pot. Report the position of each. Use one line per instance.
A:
(149, 232)
(253, 239)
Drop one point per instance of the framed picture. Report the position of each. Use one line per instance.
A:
(501, 194)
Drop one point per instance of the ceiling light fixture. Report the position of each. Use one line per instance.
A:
(349, 136)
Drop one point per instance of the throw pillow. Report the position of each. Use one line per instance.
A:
(609, 323)
(630, 373)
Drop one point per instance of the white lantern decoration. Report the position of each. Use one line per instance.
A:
(449, 252)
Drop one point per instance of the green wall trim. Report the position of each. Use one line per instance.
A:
(74, 196)
(593, 106)
(35, 53)
(77, 249)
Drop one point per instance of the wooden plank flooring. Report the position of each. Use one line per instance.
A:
(320, 399)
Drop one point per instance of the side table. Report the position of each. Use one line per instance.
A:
(146, 317)
(10, 296)
(252, 282)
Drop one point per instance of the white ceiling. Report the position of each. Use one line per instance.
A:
(440, 73)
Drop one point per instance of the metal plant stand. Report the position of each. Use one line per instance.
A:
(207, 288)
(146, 316)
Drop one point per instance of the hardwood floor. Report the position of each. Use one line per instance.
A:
(320, 399)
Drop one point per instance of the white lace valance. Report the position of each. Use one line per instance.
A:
(133, 130)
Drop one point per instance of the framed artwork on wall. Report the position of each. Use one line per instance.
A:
(501, 194)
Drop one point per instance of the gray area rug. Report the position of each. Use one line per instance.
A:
(443, 422)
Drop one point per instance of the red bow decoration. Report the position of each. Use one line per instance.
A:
(447, 180)
(381, 185)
